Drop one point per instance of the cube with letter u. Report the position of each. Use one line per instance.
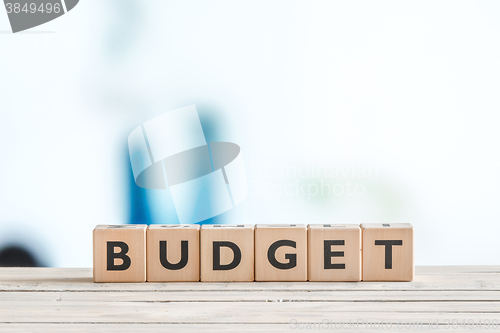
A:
(173, 253)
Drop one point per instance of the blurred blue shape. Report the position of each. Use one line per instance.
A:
(150, 206)
(183, 179)
(202, 198)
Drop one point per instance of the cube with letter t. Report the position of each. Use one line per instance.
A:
(227, 253)
(387, 252)
(120, 253)
(281, 252)
(334, 252)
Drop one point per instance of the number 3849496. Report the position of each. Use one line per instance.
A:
(33, 8)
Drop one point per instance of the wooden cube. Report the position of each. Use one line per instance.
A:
(281, 252)
(120, 253)
(173, 253)
(227, 253)
(334, 252)
(387, 252)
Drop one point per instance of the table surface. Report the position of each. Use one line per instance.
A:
(451, 298)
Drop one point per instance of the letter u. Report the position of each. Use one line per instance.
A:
(184, 256)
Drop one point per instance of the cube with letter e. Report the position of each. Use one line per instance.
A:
(334, 252)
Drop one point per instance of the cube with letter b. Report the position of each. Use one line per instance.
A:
(120, 253)
(387, 252)
(173, 253)
(281, 252)
(334, 252)
(227, 253)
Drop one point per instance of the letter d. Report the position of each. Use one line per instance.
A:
(216, 256)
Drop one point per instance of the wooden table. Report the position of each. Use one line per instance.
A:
(63, 299)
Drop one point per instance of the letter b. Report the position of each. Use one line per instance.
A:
(111, 255)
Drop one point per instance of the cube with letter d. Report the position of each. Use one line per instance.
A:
(120, 253)
(227, 253)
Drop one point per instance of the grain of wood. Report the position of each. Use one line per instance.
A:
(235, 312)
(208, 328)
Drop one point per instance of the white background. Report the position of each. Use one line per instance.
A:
(408, 90)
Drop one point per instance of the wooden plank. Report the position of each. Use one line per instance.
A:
(332, 307)
(490, 284)
(26, 272)
(255, 296)
(243, 312)
(150, 328)
(29, 279)
(209, 328)
(443, 270)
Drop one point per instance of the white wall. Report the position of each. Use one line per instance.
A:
(397, 98)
